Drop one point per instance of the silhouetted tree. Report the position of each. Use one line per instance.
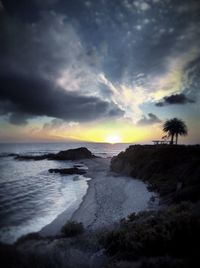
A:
(175, 127)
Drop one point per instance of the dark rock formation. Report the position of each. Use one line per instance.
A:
(72, 154)
(2, 155)
(34, 157)
(173, 171)
(68, 171)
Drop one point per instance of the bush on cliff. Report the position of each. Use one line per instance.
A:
(72, 228)
(171, 232)
(168, 169)
(160, 262)
(28, 237)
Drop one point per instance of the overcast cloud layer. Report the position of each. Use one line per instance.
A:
(89, 60)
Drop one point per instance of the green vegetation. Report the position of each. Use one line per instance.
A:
(168, 237)
(153, 239)
(12, 257)
(172, 171)
(175, 127)
(72, 228)
(28, 237)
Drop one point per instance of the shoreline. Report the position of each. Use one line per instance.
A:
(109, 198)
(54, 227)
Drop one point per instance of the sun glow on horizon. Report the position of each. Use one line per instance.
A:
(113, 139)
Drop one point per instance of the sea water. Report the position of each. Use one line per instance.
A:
(30, 196)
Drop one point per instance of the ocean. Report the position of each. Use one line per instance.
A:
(30, 196)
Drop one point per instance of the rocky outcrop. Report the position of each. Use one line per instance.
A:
(71, 154)
(34, 157)
(68, 171)
(173, 171)
(74, 154)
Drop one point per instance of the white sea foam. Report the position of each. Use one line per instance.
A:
(31, 197)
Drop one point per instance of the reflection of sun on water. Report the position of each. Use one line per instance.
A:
(113, 139)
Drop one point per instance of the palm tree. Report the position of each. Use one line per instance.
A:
(175, 127)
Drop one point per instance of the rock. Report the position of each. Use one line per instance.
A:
(7, 155)
(68, 171)
(72, 154)
(34, 157)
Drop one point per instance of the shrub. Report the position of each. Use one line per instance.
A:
(163, 168)
(10, 257)
(162, 262)
(174, 232)
(28, 237)
(72, 228)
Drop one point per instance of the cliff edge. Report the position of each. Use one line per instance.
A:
(172, 171)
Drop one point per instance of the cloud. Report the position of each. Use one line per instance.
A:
(145, 49)
(46, 47)
(27, 97)
(177, 78)
(126, 97)
(133, 57)
(188, 7)
(46, 71)
(1, 6)
(175, 99)
(58, 125)
(45, 3)
(191, 86)
(54, 124)
(144, 6)
(139, 5)
(149, 120)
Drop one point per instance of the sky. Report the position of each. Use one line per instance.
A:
(98, 70)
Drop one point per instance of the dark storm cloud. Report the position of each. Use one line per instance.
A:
(149, 120)
(122, 39)
(32, 57)
(45, 47)
(138, 36)
(26, 97)
(28, 11)
(192, 71)
(180, 99)
(138, 39)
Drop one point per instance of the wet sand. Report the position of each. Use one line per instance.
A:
(109, 198)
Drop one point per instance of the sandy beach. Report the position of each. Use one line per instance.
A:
(109, 198)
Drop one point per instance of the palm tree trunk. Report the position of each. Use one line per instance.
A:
(176, 138)
(172, 139)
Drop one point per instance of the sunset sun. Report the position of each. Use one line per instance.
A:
(113, 139)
